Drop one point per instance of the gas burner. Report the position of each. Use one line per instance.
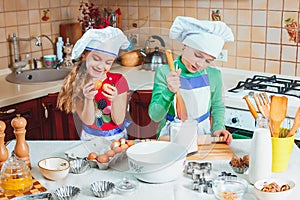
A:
(271, 84)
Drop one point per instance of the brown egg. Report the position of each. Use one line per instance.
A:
(105, 87)
(97, 84)
(122, 141)
(117, 149)
(124, 146)
(102, 158)
(130, 143)
(114, 144)
(110, 153)
(92, 156)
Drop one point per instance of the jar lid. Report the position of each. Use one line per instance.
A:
(14, 165)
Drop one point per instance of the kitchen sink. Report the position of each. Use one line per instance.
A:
(38, 76)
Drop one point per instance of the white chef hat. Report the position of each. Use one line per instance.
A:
(205, 36)
(108, 40)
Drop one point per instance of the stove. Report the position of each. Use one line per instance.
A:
(237, 114)
(269, 84)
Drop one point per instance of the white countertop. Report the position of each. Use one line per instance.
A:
(176, 190)
(137, 79)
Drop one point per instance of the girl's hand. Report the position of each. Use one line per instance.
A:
(227, 136)
(173, 80)
(109, 91)
(89, 91)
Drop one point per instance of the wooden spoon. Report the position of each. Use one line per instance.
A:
(296, 123)
(180, 105)
(277, 113)
(251, 107)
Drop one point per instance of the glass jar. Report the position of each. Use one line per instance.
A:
(15, 177)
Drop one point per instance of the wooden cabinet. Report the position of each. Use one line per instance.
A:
(142, 126)
(44, 120)
(30, 111)
(55, 124)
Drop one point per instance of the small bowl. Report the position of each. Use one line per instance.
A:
(258, 185)
(102, 189)
(54, 168)
(66, 193)
(229, 187)
(239, 170)
(79, 166)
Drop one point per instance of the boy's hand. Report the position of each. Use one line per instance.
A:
(227, 136)
(173, 80)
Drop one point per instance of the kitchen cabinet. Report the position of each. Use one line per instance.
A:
(29, 110)
(142, 126)
(44, 120)
(55, 124)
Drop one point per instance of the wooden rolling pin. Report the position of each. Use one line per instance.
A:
(180, 105)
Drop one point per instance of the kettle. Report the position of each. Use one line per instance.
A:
(156, 58)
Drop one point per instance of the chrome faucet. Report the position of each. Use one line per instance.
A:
(19, 64)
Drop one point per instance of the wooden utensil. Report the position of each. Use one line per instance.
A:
(251, 107)
(296, 123)
(277, 113)
(180, 105)
(263, 104)
(202, 139)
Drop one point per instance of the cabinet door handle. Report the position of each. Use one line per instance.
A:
(9, 111)
(45, 110)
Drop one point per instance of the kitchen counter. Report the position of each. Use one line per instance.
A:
(179, 189)
(137, 79)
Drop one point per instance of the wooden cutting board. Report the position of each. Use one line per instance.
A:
(214, 151)
(217, 151)
(71, 30)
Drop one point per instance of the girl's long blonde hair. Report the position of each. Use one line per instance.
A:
(71, 91)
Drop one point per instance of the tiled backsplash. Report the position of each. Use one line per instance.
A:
(261, 40)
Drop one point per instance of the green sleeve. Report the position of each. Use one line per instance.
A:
(162, 97)
(217, 104)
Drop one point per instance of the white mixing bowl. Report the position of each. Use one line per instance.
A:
(156, 161)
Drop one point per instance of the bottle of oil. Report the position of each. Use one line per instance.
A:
(260, 164)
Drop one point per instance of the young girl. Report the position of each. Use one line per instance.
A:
(98, 97)
(199, 83)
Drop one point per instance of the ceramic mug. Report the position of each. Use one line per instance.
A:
(49, 61)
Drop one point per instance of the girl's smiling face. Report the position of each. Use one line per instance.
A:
(98, 64)
(195, 60)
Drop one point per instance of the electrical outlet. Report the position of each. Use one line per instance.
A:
(223, 56)
(135, 39)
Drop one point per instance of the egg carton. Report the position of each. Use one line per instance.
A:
(100, 146)
(112, 161)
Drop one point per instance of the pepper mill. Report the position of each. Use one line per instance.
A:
(3, 149)
(21, 149)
